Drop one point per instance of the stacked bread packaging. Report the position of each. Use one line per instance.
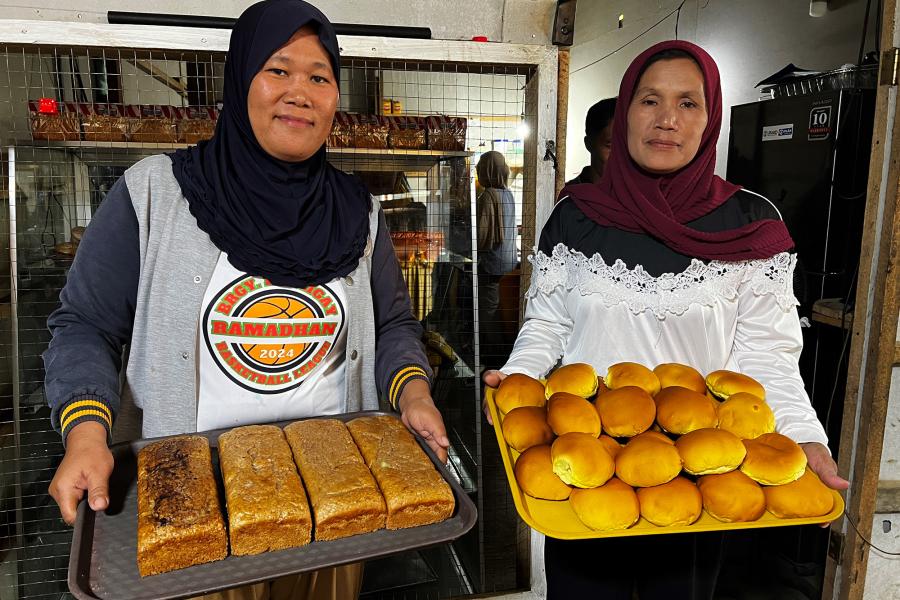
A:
(664, 444)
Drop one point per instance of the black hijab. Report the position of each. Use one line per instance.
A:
(296, 224)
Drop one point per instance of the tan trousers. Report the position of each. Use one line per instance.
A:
(338, 583)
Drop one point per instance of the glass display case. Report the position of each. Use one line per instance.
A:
(415, 118)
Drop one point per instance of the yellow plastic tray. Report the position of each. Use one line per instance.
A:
(557, 519)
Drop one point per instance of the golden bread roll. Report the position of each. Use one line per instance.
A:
(710, 451)
(806, 497)
(732, 497)
(773, 459)
(525, 427)
(580, 459)
(680, 410)
(746, 416)
(725, 383)
(628, 373)
(677, 502)
(611, 445)
(578, 378)
(519, 390)
(567, 413)
(611, 506)
(626, 411)
(670, 374)
(646, 461)
(534, 473)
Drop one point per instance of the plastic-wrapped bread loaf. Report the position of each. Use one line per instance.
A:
(414, 491)
(267, 508)
(179, 517)
(344, 497)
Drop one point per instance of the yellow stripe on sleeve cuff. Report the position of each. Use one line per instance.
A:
(401, 378)
(80, 409)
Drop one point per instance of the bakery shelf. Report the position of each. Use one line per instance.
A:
(164, 146)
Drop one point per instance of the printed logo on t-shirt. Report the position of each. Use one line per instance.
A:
(268, 338)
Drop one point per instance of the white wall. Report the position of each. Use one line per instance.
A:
(883, 570)
(519, 21)
(749, 40)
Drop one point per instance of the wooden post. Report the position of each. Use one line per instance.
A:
(562, 118)
(872, 348)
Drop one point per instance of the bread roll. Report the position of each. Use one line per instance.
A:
(746, 416)
(646, 461)
(580, 459)
(670, 374)
(519, 390)
(805, 497)
(628, 373)
(414, 492)
(680, 410)
(710, 451)
(567, 413)
(527, 426)
(725, 383)
(344, 496)
(535, 476)
(677, 502)
(773, 459)
(611, 506)
(732, 497)
(179, 518)
(611, 445)
(578, 378)
(626, 411)
(267, 507)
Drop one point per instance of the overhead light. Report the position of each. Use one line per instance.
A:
(523, 130)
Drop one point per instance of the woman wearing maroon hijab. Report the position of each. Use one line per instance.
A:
(661, 261)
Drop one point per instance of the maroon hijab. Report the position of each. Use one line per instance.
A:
(631, 199)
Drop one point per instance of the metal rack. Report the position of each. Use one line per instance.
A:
(52, 186)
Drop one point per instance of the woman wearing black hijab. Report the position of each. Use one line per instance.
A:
(251, 281)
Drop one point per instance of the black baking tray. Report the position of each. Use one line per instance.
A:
(103, 559)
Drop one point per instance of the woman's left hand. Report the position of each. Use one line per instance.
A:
(819, 460)
(419, 414)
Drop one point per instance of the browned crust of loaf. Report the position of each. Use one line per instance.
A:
(267, 507)
(179, 518)
(414, 491)
(343, 494)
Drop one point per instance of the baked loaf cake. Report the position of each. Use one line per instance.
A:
(267, 508)
(415, 493)
(179, 519)
(344, 497)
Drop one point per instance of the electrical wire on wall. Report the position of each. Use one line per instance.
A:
(676, 12)
(867, 542)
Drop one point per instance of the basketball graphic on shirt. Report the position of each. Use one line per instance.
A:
(269, 338)
(276, 307)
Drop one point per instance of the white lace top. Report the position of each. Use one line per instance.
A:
(717, 315)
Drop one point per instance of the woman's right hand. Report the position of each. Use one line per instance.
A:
(491, 379)
(86, 467)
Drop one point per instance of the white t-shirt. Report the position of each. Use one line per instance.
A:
(268, 352)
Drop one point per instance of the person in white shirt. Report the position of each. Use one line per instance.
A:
(661, 261)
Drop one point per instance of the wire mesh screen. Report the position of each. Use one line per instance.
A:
(417, 134)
